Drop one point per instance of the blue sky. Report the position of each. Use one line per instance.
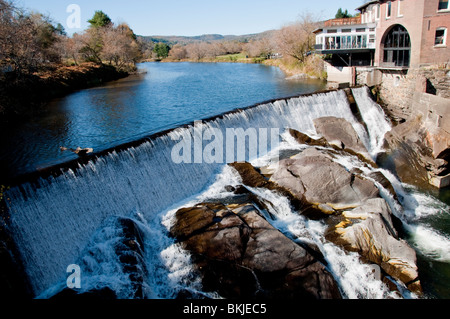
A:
(192, 17)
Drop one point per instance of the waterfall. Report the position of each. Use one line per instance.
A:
(53, 220)
(373, 115)
(58, 221)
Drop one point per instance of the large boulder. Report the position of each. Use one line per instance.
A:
(314, 175)
(239, 254)
(418, 154)
(252, 178)
(369, 230)
(360, 220)
(338, 131)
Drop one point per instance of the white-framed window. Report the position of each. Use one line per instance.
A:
(388, 9)
(440, 38)
(443, 5)
(400, 8)
(377, 11)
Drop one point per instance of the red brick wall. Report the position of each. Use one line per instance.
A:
(412, 20)
(433, 20)
(421, 18)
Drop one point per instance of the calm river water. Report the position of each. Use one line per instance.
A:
(166, 96)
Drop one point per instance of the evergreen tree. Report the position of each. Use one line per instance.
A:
(100, 19)
(342, 14)
(162, 50)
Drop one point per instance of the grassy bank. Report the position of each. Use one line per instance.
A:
(312, 68)
(25, 95)
(229, 58)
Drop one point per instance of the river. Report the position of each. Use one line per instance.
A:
(71, 218)
(167, 95)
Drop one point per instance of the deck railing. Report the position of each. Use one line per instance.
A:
(343, 21)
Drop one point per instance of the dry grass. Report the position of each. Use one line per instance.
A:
(313, 67)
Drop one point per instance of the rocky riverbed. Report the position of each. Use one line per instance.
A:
(238, 253)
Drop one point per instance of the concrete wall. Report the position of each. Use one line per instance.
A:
(435, 114)
(341, 74)
(368, 76)
(433, 109)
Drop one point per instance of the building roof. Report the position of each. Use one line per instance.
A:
(368, 3)
(342, 21)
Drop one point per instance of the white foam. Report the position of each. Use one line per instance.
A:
(356, 280)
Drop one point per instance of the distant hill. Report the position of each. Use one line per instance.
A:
(172, 40)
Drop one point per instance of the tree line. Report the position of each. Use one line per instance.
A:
(31, 41)
(295, 41)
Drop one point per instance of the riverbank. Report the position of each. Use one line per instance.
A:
(24, 96)
(312, 69)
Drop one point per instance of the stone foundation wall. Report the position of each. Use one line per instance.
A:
(396, 93)
(397, 88)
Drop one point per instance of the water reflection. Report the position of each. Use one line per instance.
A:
(166, 96)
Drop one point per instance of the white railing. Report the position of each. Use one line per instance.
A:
(345, 42)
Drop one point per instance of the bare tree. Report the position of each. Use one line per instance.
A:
(18, 47)
(260, 48)
(178, 52)
(197, 51)
(120, 47)
(70, 48)
(297, 39)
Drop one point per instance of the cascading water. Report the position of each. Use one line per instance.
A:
(373, 115)
(53, 221)
(59, 221)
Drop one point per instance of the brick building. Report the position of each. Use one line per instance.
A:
(392, 34)
(411, 33)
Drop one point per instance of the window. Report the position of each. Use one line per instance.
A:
(388, 9)
(378, 11)
(361, 30)
(440, 38)
(400, 8)
(443, 5)
(346, 30)
(397, 47)
(332, 31)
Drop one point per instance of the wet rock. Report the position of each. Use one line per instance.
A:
(251, 177)
(130, 250)
(338, 131)
(338, 147)
(306, 139)
(417, 154)
(370, 231)
(119, 242)
(361, 221)
(380, 178)
(314, 175)
(241, 255)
